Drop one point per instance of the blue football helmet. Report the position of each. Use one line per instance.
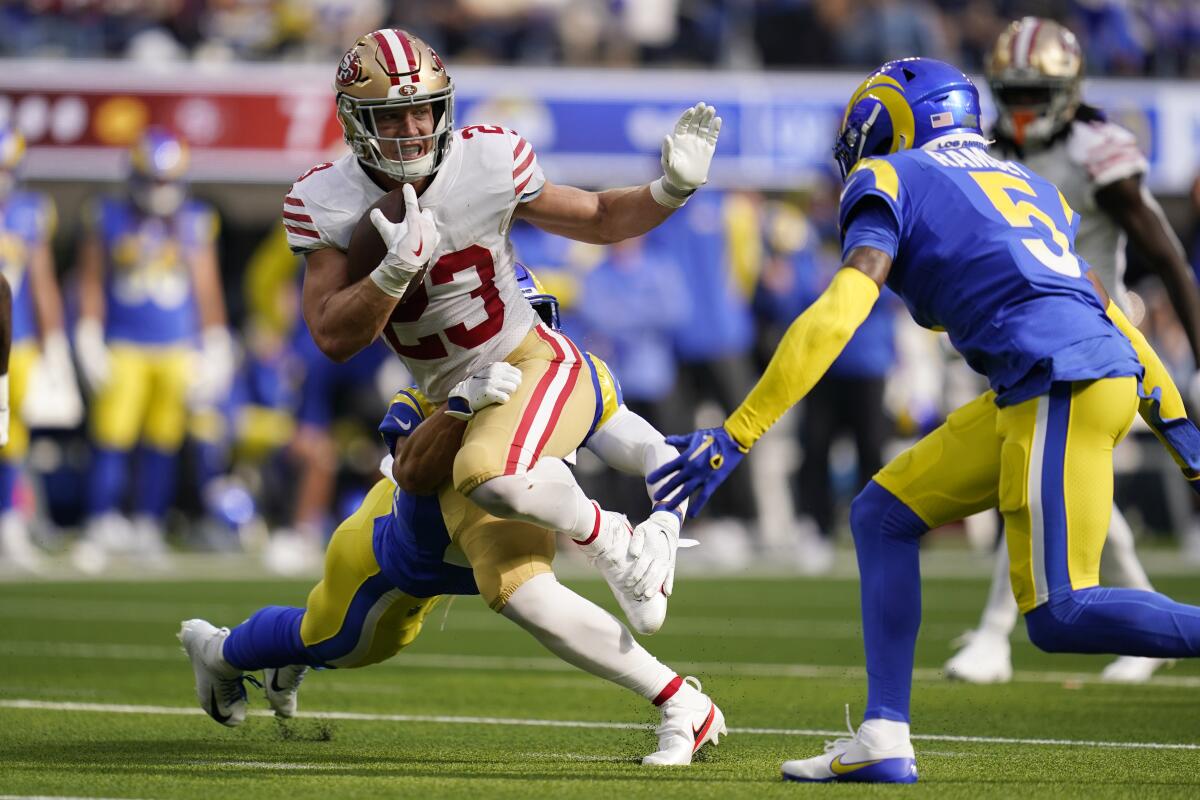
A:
(157, 162)
(544, 303)
(906, 104)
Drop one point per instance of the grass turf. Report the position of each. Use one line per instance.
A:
(775, 654)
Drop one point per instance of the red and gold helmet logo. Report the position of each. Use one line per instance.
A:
(350, 70)
(408, 89)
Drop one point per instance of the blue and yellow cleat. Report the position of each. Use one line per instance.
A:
(878, 752)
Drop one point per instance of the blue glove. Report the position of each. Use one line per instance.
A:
(706, 458)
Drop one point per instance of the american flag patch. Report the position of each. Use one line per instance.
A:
(941, 120)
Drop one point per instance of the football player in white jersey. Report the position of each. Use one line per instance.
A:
(395, 102)
(1034, 72)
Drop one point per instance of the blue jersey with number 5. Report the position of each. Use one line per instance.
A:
(984, 249)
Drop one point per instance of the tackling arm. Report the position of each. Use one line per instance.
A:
(424, 459)
(1132, 206)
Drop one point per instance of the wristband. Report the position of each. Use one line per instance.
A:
(667, 195)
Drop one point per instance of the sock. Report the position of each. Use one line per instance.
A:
(1000, 614)
(883, 734)
(1128, 622)
(886, 536)
(156, 482)
(270, 638)
(106, 481)
(8, 486)
(1119, 563)
(546, 495)
(586, 636)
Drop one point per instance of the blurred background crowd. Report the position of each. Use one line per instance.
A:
(686, 316)
(1121, 37)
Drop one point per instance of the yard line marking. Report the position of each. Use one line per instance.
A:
(744, 669)
(125, 708)
(55, 797)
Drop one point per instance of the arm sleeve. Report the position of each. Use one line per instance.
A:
(408, 409)
(1161, 404)
(811, 344)
(628, 443)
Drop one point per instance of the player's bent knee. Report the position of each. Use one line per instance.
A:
(877, 512)
(1047, 631)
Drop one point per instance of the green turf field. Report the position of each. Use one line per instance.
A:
(96, 701)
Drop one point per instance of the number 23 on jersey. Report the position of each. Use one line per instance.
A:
(433, 346)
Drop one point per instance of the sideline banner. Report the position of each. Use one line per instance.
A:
(267, 123)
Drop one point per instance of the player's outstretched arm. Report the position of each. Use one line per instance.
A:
(5, 348)
(1131, 206)
(807, 349)
(617, 214)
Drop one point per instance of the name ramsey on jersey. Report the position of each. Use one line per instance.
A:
(469, 310)
(1091, 154)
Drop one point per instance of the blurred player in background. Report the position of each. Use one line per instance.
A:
(395, 103)
(392, 561)
(983, 249)
(42, 391)
(150, 292)
(1035, 72)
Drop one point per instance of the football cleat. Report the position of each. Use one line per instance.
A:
(690, 720)
(17, 550)
(219, 685)
(1132, 669)
(281, 687)
(860, 758)
(608, 551)
(984, 658)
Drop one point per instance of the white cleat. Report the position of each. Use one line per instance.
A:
(218, 683)
(609, 553)
(690, 720)
(148, 543)
(1132, 669)
(290, 554)
(282, 685)
(880, 751)
(984, 658)
(17, 550)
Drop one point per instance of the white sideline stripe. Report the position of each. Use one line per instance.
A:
(121, 708)
(55, 797)
(154, 652)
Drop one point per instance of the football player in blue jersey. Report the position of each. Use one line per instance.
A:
(150, 294)
(391, 562)
(983, 249)
(42, 389)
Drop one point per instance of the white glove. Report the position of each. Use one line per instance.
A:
(409, 245)
(92, 354)
(493, 384)
(52, 399)
(213, 376)
(653, 549)
(686, 156)
(3, 409)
